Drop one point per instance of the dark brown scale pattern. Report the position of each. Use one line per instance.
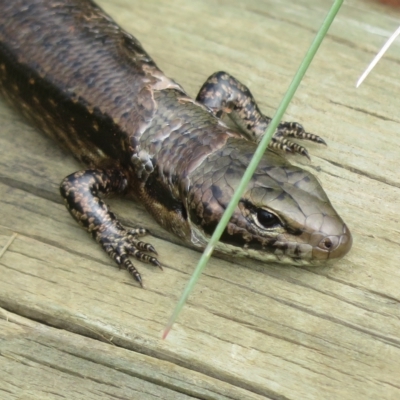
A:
(89, 84)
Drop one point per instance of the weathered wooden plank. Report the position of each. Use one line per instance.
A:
(280, 332)
(76, 367)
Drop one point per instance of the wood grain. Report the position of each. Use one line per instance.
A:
(71, 319)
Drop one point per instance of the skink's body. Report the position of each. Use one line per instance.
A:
(91, 85)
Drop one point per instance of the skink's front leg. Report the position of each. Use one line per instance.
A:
(223, 93)
(81, 192)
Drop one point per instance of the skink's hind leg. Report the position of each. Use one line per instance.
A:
(223, 93)
(81, 192)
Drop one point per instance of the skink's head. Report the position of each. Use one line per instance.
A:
(284, 215)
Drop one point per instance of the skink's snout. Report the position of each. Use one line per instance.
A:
(333, 241)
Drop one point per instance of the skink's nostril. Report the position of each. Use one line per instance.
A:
(329, 243)
(326, 243)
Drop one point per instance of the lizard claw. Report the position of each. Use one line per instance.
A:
(320, 140)
(151, 249)
(157, 263)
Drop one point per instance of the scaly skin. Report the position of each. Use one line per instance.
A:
(91, 86)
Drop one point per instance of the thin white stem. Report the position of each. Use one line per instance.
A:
(378, 56)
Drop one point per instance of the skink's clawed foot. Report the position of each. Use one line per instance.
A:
(81, 192)
(121, 244)
(296, 131)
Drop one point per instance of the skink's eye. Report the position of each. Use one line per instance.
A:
(266, 219)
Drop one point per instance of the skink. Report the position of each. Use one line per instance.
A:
(89, 84)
